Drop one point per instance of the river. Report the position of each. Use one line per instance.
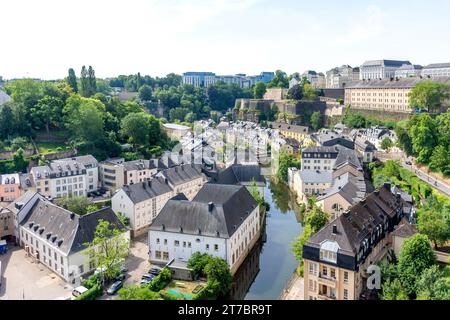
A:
(271, 264)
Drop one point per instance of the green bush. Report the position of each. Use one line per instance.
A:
(93, 293)
(92, 281)
(171, 296)
(161, 280)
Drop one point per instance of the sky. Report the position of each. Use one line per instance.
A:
(43, 38)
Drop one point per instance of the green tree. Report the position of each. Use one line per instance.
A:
(198, 261)
(354, 120)
(286, 161)
(416, 255)
(279, 80)
(309, 93)
(297, 244)
(316, 218)
(259, 90)
(143, 129)
(145, 93)
(135, 292)
(316, 120)
(219, 277)
(7, 121)
(72, 80)
(393, 290)
(434, 221)
(386, 143)
(48, 111)
(108, 248)
(423, 134)
(84, 82)
(296, 92)
(440, 159)
(78, 205)
(429, 95)
(92, 81)
(19, 161)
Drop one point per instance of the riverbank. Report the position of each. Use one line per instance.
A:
(294, 289)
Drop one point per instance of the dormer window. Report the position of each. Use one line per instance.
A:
(328, 251)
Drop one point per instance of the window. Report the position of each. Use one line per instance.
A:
(176, 243)
(311, 270)
(165, 241)
(311, 286)
(157, 240)
(158, 254)
(165, 255)
(189, 245)
(345, 277)
(207, 247)
(345, 294)
(184, 244)
(216, 247)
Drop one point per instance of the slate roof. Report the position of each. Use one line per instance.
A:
(289, 127)
(142, 191)
(396, 83)
(347, 156)
(316, 176)
(139, 165)
(405, 229)
(181, 174)
(230, 207)
(65, 165)
(64, 229)
(356, 224)
(239, 174)
(438, 65)
(387, 63)
(352, 189)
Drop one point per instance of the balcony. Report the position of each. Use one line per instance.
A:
(324, 296)
(327, 280)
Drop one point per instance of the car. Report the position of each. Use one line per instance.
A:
(120, 277)
(148, 276)
(114, 288)
(408, 163)
(78, 291)
(144, 282)
(155, 270)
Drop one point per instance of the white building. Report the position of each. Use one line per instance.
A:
(380, 69)
(408, 71)
(141, 202)
(222, 220)
(436, 70)
(176, 131)
(317, 80)
(76, 176)
(56, 237)
(340, 76)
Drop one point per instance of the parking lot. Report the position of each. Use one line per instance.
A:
(23, 279)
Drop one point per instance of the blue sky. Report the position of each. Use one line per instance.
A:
(44, 38)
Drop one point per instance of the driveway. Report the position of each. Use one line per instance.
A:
(24, 279)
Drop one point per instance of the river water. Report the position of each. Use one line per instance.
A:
(270, 266)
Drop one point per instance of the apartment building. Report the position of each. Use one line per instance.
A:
(56, 237)
(380, 69)
(176, 131)
(199, 79)
(408, 71)
(142, 202)
(316, 79)
(384, 95)
(9, 187)
(299, 133)
(115, 173)
(76, 176)
(337, 257)
(339, 77)
(329, 138)
(436, 70)
(206, 79)
(222, 220)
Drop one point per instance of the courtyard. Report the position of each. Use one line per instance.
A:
(24, 279)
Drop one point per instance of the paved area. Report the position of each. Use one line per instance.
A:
(294, 290)
(24, 279)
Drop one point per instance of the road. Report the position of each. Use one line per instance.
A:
(442, 187)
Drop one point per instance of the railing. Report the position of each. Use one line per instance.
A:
(323, 296)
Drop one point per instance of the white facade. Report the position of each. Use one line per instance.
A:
(165, 246)
(380, 69)
(437, 70)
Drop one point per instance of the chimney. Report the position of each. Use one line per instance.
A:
(334, 229)
(210, 206)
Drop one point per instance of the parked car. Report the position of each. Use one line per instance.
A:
(78, 291)
(114, 288)
(155, 270)
(144, 281)
(120, 277)
(148, 276)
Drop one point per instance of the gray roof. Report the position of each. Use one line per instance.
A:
(438, 65)
(387, 63)
(181, 174)
(68, 166)
(405, 229)
(288, 127)
(230, 207)
(239, 174)
(322, 149)
(347, 156)
(395, 83)
(146, 190)
(351, 188)
(356, 224)
(316, 176)
(64, 229)
(139, 165)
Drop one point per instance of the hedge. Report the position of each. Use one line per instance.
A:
(93, 293)
(161, 280)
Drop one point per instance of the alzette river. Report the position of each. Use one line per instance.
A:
(272, 261)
